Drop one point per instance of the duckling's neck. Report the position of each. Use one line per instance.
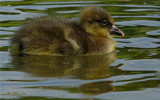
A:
(100, 44)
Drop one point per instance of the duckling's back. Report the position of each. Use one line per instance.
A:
(49, 36)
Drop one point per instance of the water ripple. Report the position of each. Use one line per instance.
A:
(9, 0)
(143, 6)
(142, 10)
(155, 32)
(69, 2)
(44, 7)
(139, 22)
(21, 16)
(141, 42)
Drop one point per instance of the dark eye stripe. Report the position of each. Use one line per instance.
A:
(98, 21)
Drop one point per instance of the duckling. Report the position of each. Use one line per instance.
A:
(90, 35)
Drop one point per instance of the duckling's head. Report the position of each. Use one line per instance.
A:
(98, 22)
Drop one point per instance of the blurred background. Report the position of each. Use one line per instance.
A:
(133, 73)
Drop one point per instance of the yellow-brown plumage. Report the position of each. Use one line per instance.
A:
(52, 36)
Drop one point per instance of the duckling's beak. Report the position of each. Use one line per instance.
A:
(115, 30)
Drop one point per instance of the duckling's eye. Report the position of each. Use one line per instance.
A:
(104, 22)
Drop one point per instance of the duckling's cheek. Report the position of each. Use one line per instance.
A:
(89, 28)
(96, 29)
(102, 32)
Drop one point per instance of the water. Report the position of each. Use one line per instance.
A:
(133, 73)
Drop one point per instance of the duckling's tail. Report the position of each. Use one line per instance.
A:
(16, 49)
(16, 46)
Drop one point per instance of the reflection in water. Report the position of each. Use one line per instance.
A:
(84, 67)
(81, 67)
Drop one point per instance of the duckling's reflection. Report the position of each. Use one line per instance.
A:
(80, 67)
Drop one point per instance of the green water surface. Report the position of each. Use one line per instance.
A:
(132, 73)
